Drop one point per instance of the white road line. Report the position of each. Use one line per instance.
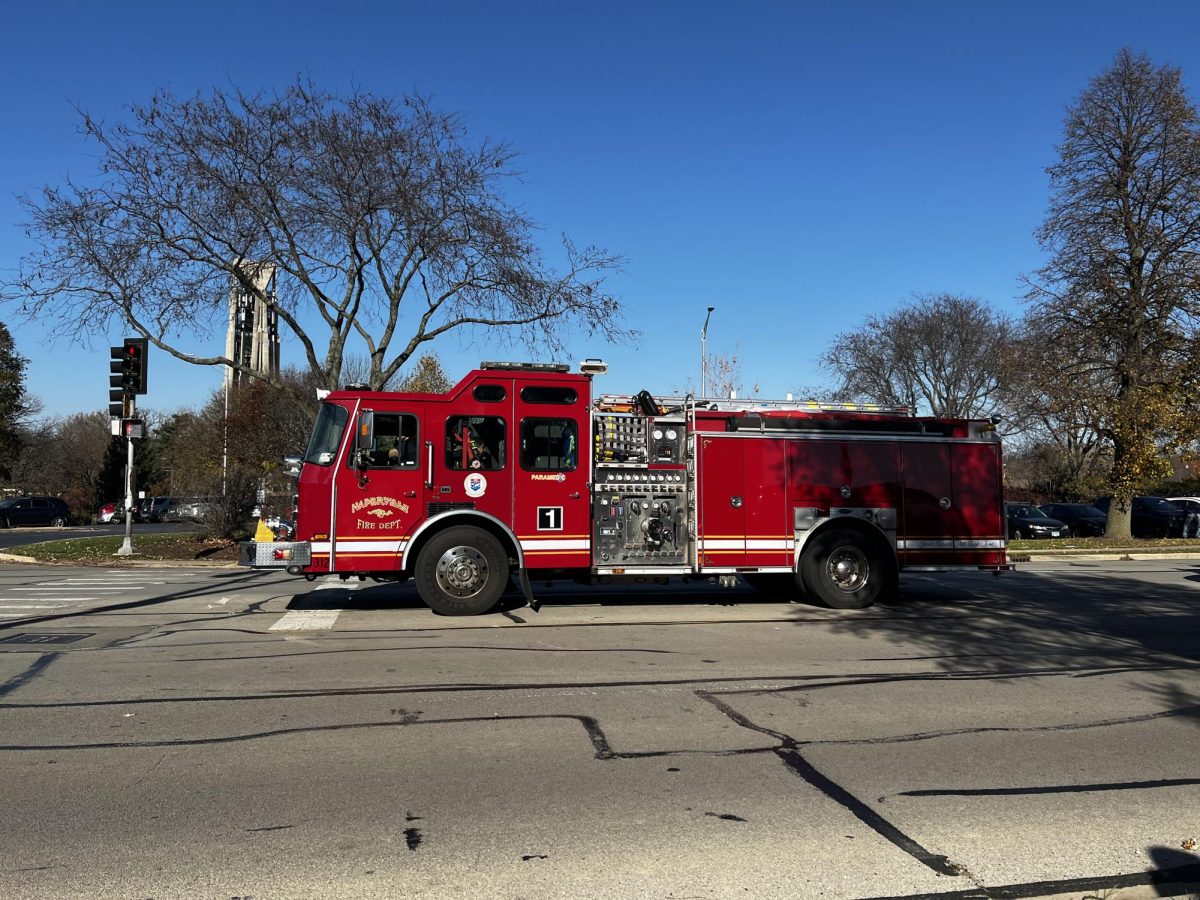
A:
(63, 601)
(306, 620)
(32, 605)
(69, 587)
(95, 581)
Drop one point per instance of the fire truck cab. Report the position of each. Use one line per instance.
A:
(519, 471)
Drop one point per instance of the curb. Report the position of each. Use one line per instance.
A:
(1028, 556)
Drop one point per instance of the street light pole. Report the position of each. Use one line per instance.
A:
(704, 354)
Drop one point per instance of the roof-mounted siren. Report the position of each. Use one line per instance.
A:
(590, 367)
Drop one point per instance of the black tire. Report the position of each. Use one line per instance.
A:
(845, 570)
(58, 522)
(461, 572)
(1018, 534)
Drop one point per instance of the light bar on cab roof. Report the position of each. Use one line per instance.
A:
(525, 366)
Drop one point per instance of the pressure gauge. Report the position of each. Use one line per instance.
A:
(671, 435)
(658, 434)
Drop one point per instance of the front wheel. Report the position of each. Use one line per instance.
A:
(462, 572)
(844, 570)
(58, 522)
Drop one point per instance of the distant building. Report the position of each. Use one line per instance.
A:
(253, 338)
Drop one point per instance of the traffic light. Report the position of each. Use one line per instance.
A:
(134, 365)
(133, 428)
(118, 388)
(127, 376)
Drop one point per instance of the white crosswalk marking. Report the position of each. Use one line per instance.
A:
(306, 620)
(54, 594)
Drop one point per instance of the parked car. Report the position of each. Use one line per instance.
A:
(1153, 517)
(1083, 519)
(194, 509)
(118, 516)
(106, 512)
(1025, 521)
(1191, 506)
(155, 509)
(17, 511)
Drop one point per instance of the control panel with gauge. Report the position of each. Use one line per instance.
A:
(640, 492)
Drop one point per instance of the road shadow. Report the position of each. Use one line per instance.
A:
(1174, 872)
(363, 596)
(1078, 621)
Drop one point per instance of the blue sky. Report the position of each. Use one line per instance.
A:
(799, 166)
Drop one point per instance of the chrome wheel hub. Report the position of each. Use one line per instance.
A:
(462, 571)
(847, 568)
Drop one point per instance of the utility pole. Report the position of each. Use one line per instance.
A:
(704, 354)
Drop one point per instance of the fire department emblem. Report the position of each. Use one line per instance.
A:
(475, 484)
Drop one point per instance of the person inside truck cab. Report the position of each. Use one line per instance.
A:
(402, 452)
(474, 442)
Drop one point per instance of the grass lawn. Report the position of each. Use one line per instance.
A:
(1110, 545)
(102, 550)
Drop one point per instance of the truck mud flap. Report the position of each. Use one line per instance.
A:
(535, 605)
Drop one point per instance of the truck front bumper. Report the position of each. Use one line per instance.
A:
(275, 554)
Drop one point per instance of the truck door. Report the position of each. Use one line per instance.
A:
(380, 491)
(720, 478)
(552, 515)
(468, 453)
(930, 520)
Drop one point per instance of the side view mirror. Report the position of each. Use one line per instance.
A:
(364, 439)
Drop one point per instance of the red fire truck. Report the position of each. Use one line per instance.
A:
(519, 471)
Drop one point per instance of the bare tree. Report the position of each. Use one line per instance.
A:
(943, 354)
(1120, 288)
(233, 449)
(1052, 416)
(385, 225)
(723, 372)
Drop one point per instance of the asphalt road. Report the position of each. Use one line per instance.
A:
(226, 733)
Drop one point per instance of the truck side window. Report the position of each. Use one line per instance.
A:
(395, 444)
(549, 445)
(475, 442)
(542, 393)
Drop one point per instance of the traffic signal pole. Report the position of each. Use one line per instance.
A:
(127, 544)
(127, 378)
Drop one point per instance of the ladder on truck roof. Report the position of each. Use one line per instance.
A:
(617, 403)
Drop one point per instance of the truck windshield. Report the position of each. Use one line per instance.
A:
(327, 434)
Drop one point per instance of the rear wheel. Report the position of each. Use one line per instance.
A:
(845, 570)
(1018, 534)
(58, 522)
(462, 572)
